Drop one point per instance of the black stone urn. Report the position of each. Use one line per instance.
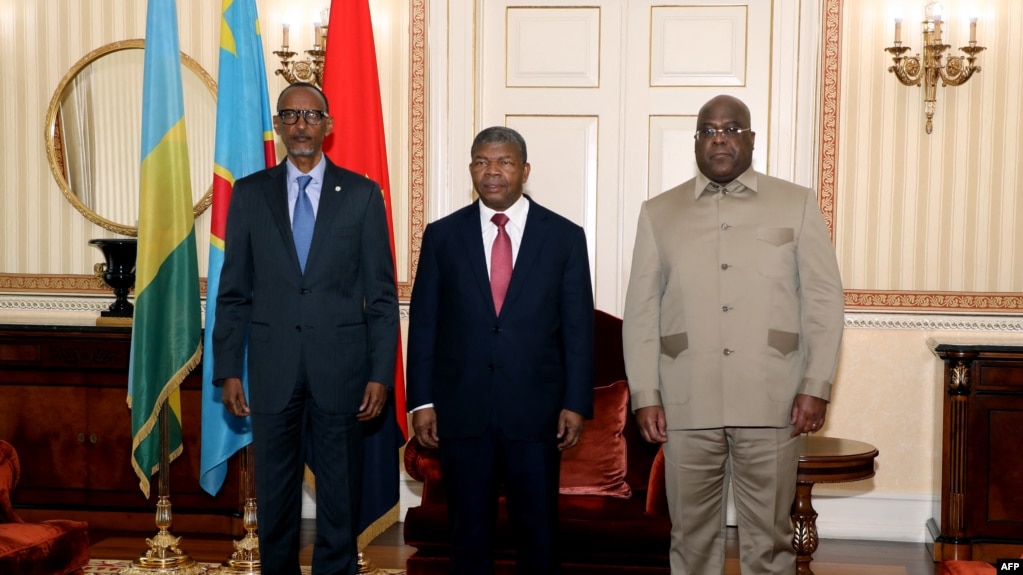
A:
(118, 272)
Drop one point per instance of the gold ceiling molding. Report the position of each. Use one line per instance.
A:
(983, 302)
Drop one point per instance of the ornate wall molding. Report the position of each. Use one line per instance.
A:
(830, 80)
(31, 303)
(84, 306)
(417, 140)
(73, 303)
(51, 283)
(999, 324)
(936, 301)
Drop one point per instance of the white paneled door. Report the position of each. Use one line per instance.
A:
(606, 94)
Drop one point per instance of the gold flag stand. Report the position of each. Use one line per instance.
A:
(164, 557)
(245, 559)
(366, 567)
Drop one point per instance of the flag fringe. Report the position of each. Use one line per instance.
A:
(172, 385)
(373, 530)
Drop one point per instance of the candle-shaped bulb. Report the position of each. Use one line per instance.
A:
(898, 30)
(973, 29)
(318, 30)
(284, 44)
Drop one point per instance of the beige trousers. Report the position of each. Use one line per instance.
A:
(761, 463)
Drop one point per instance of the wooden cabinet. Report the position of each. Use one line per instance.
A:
(981, 514)
(63, 405)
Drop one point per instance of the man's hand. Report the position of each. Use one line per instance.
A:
(424, 422)
(373, 400)
(570, 428)
(808, 414)
(232, 395)
(652, 425)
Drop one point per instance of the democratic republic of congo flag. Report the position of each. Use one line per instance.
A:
(352, 86)
(165, 338)
(244, 145)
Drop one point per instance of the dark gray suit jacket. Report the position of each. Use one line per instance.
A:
(342, 314)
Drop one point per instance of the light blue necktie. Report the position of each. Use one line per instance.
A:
(303, 221)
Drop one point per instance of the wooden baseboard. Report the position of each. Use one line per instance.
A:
(968, 550)
(140, 522)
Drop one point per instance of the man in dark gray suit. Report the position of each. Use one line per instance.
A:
(308, 286)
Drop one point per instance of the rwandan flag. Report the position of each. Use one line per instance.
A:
(165, 339)
(244, 145)
(352, 87)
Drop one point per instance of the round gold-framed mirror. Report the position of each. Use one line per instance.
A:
(93, 134)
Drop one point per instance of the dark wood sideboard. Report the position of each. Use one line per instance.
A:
(981, 515)
(63, 406)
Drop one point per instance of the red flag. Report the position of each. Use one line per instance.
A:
(351, 84)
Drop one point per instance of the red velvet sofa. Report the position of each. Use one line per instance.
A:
(613, 511)
(55, 547)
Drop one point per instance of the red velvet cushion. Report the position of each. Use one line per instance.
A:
(966, 568)
(656, 492)
(597, 464)
(48, 548)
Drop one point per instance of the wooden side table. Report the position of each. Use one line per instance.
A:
(823, 460)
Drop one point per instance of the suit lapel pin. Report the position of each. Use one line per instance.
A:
(337, 188)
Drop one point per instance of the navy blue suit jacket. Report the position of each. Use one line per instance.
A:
(341, 316)
(517, 370)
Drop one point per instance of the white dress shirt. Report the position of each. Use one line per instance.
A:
(312, 190)
(516, 225)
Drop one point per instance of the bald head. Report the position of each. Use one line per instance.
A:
(735, 107)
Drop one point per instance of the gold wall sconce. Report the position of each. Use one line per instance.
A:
(310, 69)
(934, 65)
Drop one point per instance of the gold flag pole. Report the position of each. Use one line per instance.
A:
(164, 557)
(245, 559)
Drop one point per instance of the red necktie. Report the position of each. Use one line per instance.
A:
(500, 262)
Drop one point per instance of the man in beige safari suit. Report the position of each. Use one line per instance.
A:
(733, 322)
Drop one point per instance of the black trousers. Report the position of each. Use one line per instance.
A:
(475, 470)
(281, 442)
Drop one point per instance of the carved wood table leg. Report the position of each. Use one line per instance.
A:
(804, 520)
(823, 460)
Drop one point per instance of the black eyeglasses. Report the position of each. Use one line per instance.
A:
(312, 117)
(729, 133)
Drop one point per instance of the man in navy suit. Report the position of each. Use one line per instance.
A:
(308, 285)
(500, 370)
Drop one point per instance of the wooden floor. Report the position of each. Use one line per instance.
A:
(833, 557)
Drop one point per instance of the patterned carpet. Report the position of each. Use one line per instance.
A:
(101, 567)
(105, 567)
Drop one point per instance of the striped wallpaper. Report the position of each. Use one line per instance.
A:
(40, 41)
(939, 212)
